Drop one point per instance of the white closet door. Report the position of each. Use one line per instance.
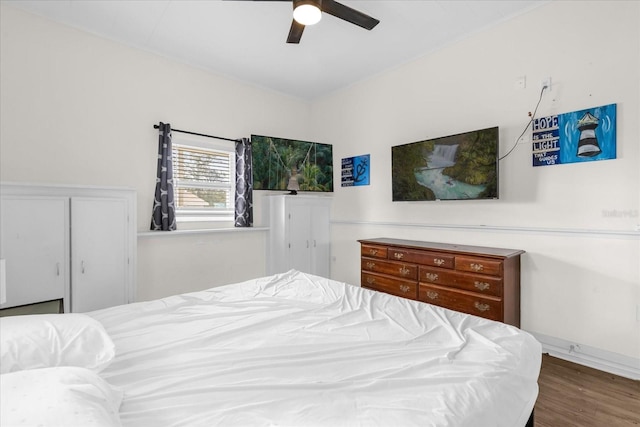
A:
(299, 236)
(99, 253)
(35, 246)
(299, 233)
(320, 239)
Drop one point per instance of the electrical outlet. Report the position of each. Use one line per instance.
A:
(546, 82)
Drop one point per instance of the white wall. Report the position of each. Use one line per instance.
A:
(79, 109)
(582, 287)
(205, 260)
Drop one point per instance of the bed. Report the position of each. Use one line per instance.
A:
(285, 350)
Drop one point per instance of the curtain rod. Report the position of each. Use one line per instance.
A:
(199, 134)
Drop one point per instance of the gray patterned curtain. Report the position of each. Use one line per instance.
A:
(244, 184)
(164, 213)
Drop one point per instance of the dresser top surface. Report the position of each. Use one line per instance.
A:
(448, 247)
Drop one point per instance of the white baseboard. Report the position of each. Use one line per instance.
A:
(618, 364)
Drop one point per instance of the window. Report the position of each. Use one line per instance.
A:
(203, 180)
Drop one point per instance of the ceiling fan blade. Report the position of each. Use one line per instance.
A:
(350, 15)
(295, 32)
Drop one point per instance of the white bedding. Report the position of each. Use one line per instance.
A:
(299, 350)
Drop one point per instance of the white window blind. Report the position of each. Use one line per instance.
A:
(203, 181)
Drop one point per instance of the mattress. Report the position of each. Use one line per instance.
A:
(300, 350)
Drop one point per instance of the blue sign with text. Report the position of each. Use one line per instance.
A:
(355, 171)
(579, 136)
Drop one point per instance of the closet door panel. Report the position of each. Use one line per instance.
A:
(299, 237)
(320, 241)
(35, 246)
(99, 252)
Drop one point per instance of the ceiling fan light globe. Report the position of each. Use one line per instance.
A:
(307, 14)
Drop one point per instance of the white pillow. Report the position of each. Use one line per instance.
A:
(47, 340)
(65, 396)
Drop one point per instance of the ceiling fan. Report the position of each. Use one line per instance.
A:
(309, 12)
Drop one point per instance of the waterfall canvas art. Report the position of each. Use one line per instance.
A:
(456, 167)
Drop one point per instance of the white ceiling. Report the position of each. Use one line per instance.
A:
(245, 40)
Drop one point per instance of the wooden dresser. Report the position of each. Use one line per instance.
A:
(477, 280)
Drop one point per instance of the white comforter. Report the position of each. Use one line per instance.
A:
(299, 350)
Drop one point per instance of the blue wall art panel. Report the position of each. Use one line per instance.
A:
(579, 136)
(355, 171)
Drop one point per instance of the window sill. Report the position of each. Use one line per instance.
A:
(144, 234)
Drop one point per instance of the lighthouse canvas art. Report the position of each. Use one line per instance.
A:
(456, 167)
(579, 136)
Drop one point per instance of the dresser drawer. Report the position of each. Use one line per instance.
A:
(487, 285)
(398, 287)
(466, 302)
(373, 251)
(479, 265)
(422, 257)
(398, 269)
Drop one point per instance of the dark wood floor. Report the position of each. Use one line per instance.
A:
(574, 395)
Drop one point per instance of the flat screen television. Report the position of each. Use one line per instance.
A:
(278, 162)
(456, 167)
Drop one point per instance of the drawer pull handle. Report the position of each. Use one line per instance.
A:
(432, 295)
(398, 255)
(483, 286)
(370, 265)
(438, 261)
(482, 307)
(404, 271)
(371, 280)
(404, 288)
(373, 251)
(477, 267)
(432, 277)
